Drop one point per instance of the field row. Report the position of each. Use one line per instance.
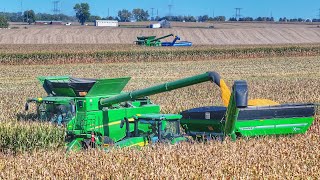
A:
(134, 54)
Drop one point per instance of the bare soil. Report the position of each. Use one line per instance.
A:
(198, 33)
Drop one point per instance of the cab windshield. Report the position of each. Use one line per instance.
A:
(56, 113)
(171, 129)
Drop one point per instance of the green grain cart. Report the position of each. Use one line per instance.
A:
(97, 113)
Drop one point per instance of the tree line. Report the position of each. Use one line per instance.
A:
(82, 14)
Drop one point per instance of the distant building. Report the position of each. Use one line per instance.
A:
(107, 23)
(48, 23)
(157, 25)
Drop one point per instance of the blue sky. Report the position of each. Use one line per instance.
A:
(254, 8)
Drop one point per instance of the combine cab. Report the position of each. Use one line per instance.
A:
(163, 128)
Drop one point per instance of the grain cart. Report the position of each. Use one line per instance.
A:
(240, 118)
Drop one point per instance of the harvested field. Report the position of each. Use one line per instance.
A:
(283, 79)
(223, 34)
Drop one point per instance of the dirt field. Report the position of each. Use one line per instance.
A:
(222, 34)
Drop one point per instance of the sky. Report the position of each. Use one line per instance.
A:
(253, 8)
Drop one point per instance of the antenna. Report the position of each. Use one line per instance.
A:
(238, 13)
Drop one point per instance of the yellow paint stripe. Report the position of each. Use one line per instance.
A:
(112, 123)
(109, 124)
(141, 144)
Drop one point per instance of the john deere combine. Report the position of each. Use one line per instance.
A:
(153, 41)
(97, 113)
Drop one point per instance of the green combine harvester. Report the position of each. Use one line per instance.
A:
(97, 113)
(153, 41)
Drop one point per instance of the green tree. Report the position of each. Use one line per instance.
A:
(94, 18)
(140, 14)
(3, 22)
(29, 16)
(124, 15)
(82, 12)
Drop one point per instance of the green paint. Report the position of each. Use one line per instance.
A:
(274, 126)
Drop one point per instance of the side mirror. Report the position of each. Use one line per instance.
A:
(26, 107)
(122, 124)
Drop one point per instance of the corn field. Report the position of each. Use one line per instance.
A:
(55, 54)
(21, 137)
(33, 150)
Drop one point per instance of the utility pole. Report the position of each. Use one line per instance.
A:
(21, 10)
(213, 14)
(56, 9)
(21, 6)
(152, 18)
(238, 13)
(170, 7)
(319, 14)
(108, 13)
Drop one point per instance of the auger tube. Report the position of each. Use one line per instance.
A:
(161, 38)
(129, 96)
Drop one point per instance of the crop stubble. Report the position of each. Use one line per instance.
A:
(281, 79)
